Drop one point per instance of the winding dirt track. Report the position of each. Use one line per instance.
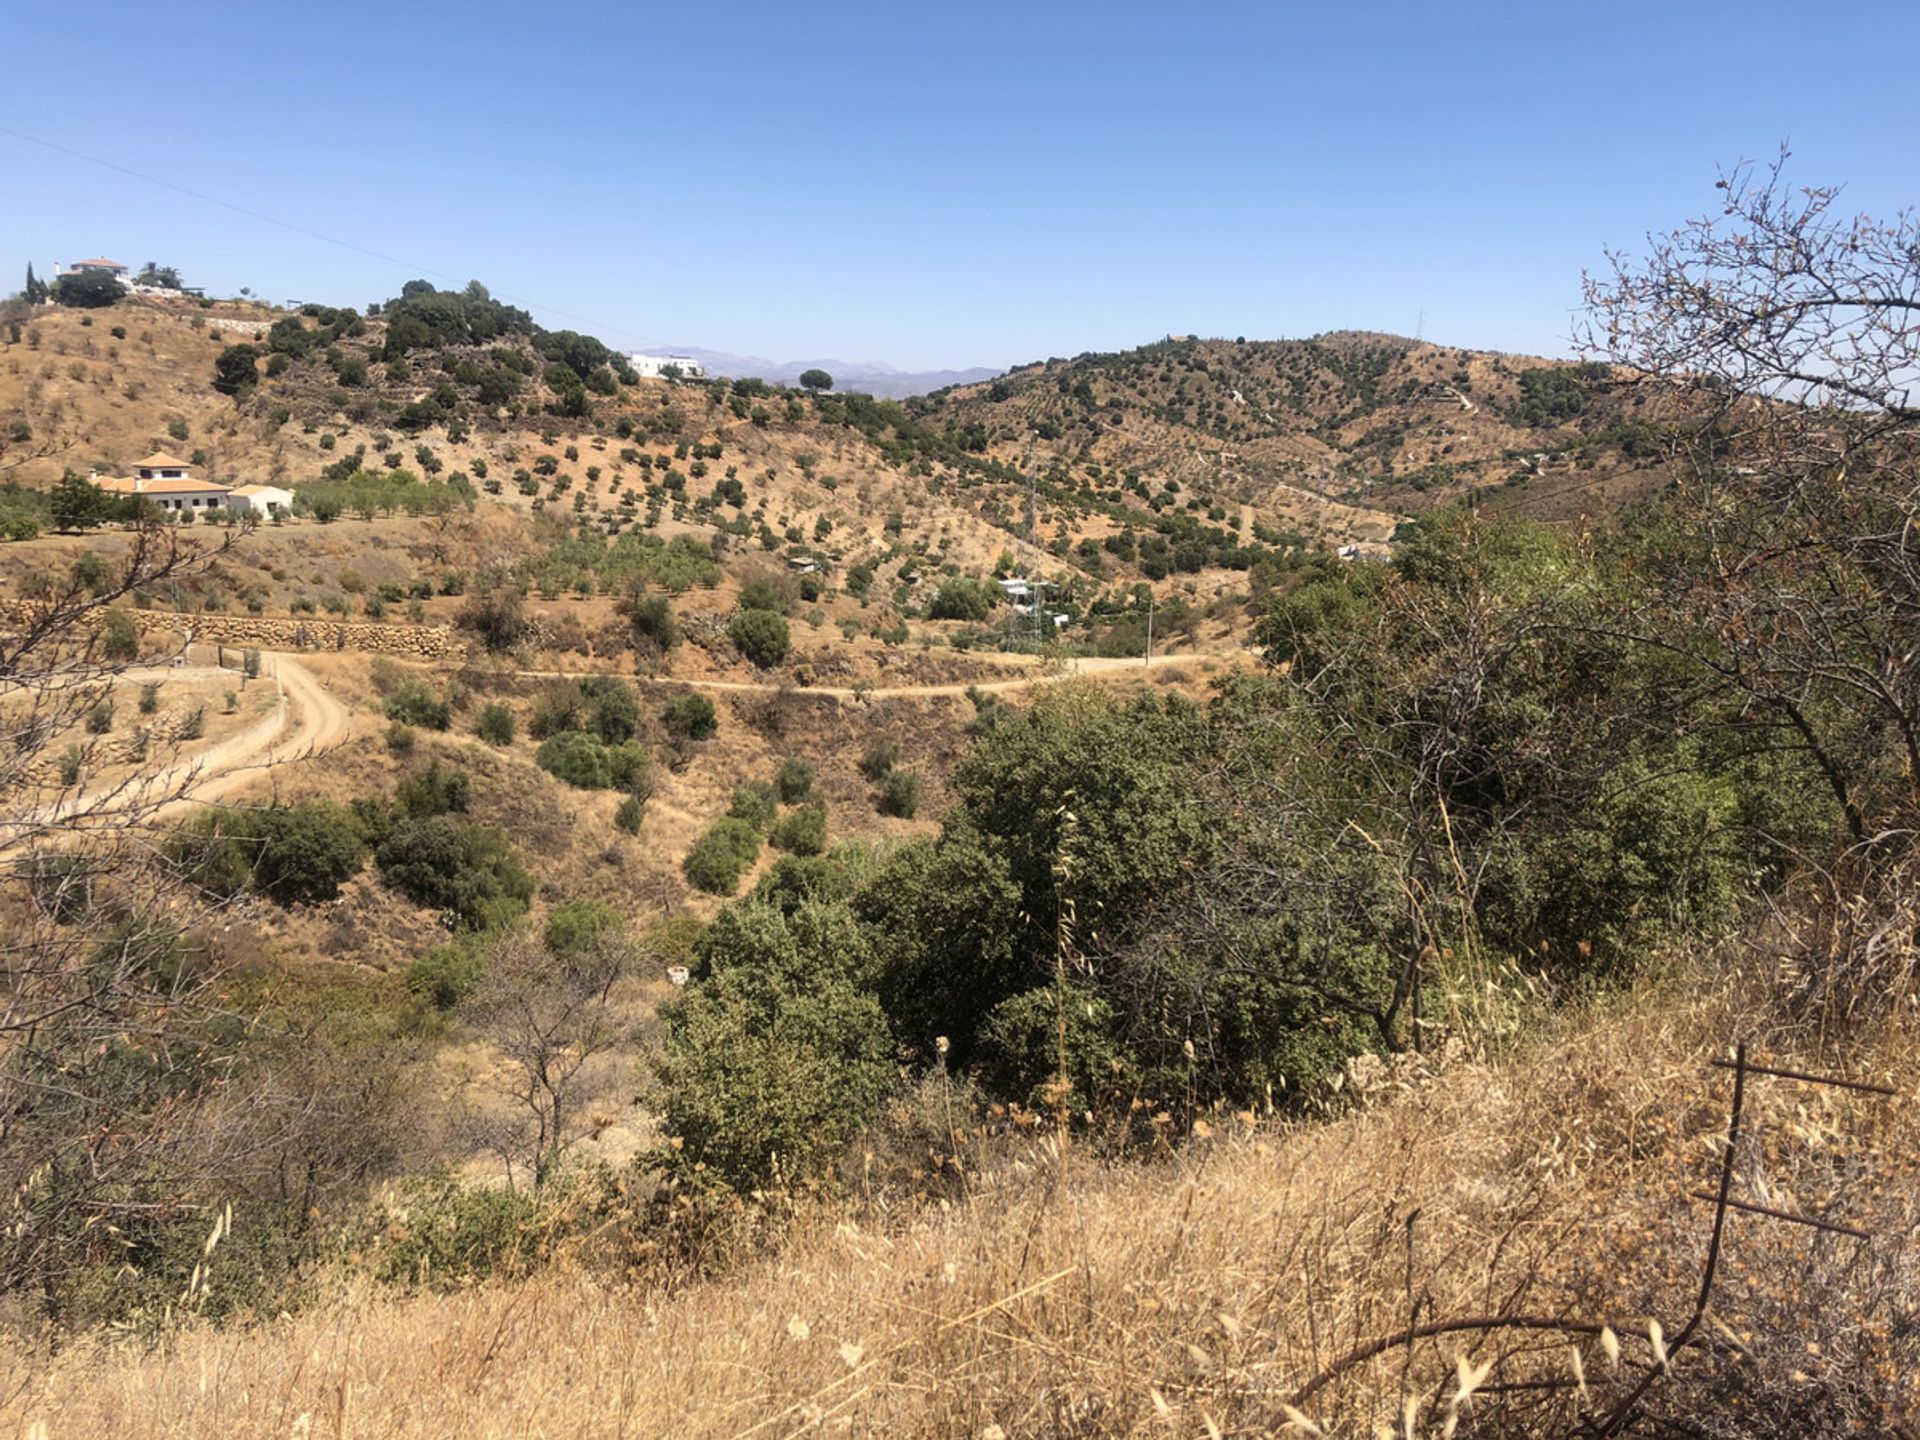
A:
(304, 721)
(307, 721)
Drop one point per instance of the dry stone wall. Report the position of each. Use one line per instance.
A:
(263, 632)
(419, 642)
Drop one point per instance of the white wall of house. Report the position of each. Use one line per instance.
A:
(650, 367)
(262, 501)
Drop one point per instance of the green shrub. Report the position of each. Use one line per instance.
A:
(689, 717)
(414, 703)
(436, 790)
(450, 1233)
(578, 927)
(754, 803)
(802, 831)
(880, 756)
(900, 793)
(119, 636)
(763, 592)
(632, 811)
(400, 737)
(446, 974)
(297, 854)
(614, 709)
(100, 718)
(599, 705)
(470, 873)
(761, 636)
(793, 781)
(653, 623)
(721, 856)
(577, 758)
(495, 724)
(960, 599)
(779, 1056)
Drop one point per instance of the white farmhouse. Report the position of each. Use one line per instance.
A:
(168, 483)
(652, 367)
(266, 500)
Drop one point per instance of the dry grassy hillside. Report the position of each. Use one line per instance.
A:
(1200, 1294)
(1325, 441)
(1341, 431)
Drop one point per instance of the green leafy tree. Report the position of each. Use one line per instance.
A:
(761, 636)
(119, 636)
(802, 831)
(778, 1055)
(470, 873)
(76, 503)
(654, 626)
(721, 856)
(815, 380)
(495, 724)
(793, 780)
(690, 717)
(90, 290)
(236, 371)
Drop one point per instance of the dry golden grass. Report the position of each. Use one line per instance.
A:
(1190, 1296)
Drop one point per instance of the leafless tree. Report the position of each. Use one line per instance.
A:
(552, 1015)
(101, 988)
(1781, 340)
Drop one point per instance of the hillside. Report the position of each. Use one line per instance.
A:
(1096, 902)
(1197, 1292)
(1209, 453)
(1343, 423)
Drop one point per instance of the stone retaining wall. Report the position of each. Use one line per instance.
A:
(307, 632)
(261, 632)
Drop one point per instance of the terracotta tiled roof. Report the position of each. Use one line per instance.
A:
(132, 485)
(114, 264)
(160, 460)
(260, 489)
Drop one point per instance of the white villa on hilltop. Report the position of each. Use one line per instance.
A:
(167, 482)
(97, 266)
(652, 367)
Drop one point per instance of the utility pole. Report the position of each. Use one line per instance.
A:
(1149, 625)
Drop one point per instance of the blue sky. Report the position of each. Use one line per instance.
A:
(940, 185)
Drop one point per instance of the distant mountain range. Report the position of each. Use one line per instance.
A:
(873, 376)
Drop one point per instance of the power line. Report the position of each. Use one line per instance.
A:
(394, 260)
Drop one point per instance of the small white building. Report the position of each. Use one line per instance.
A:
(261, 500)
(653, 367)
(97, 266)
(1015, 589)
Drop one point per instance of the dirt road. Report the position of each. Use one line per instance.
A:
(305, 720)
(1035, 675)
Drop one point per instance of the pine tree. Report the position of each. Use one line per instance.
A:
(36, 290)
